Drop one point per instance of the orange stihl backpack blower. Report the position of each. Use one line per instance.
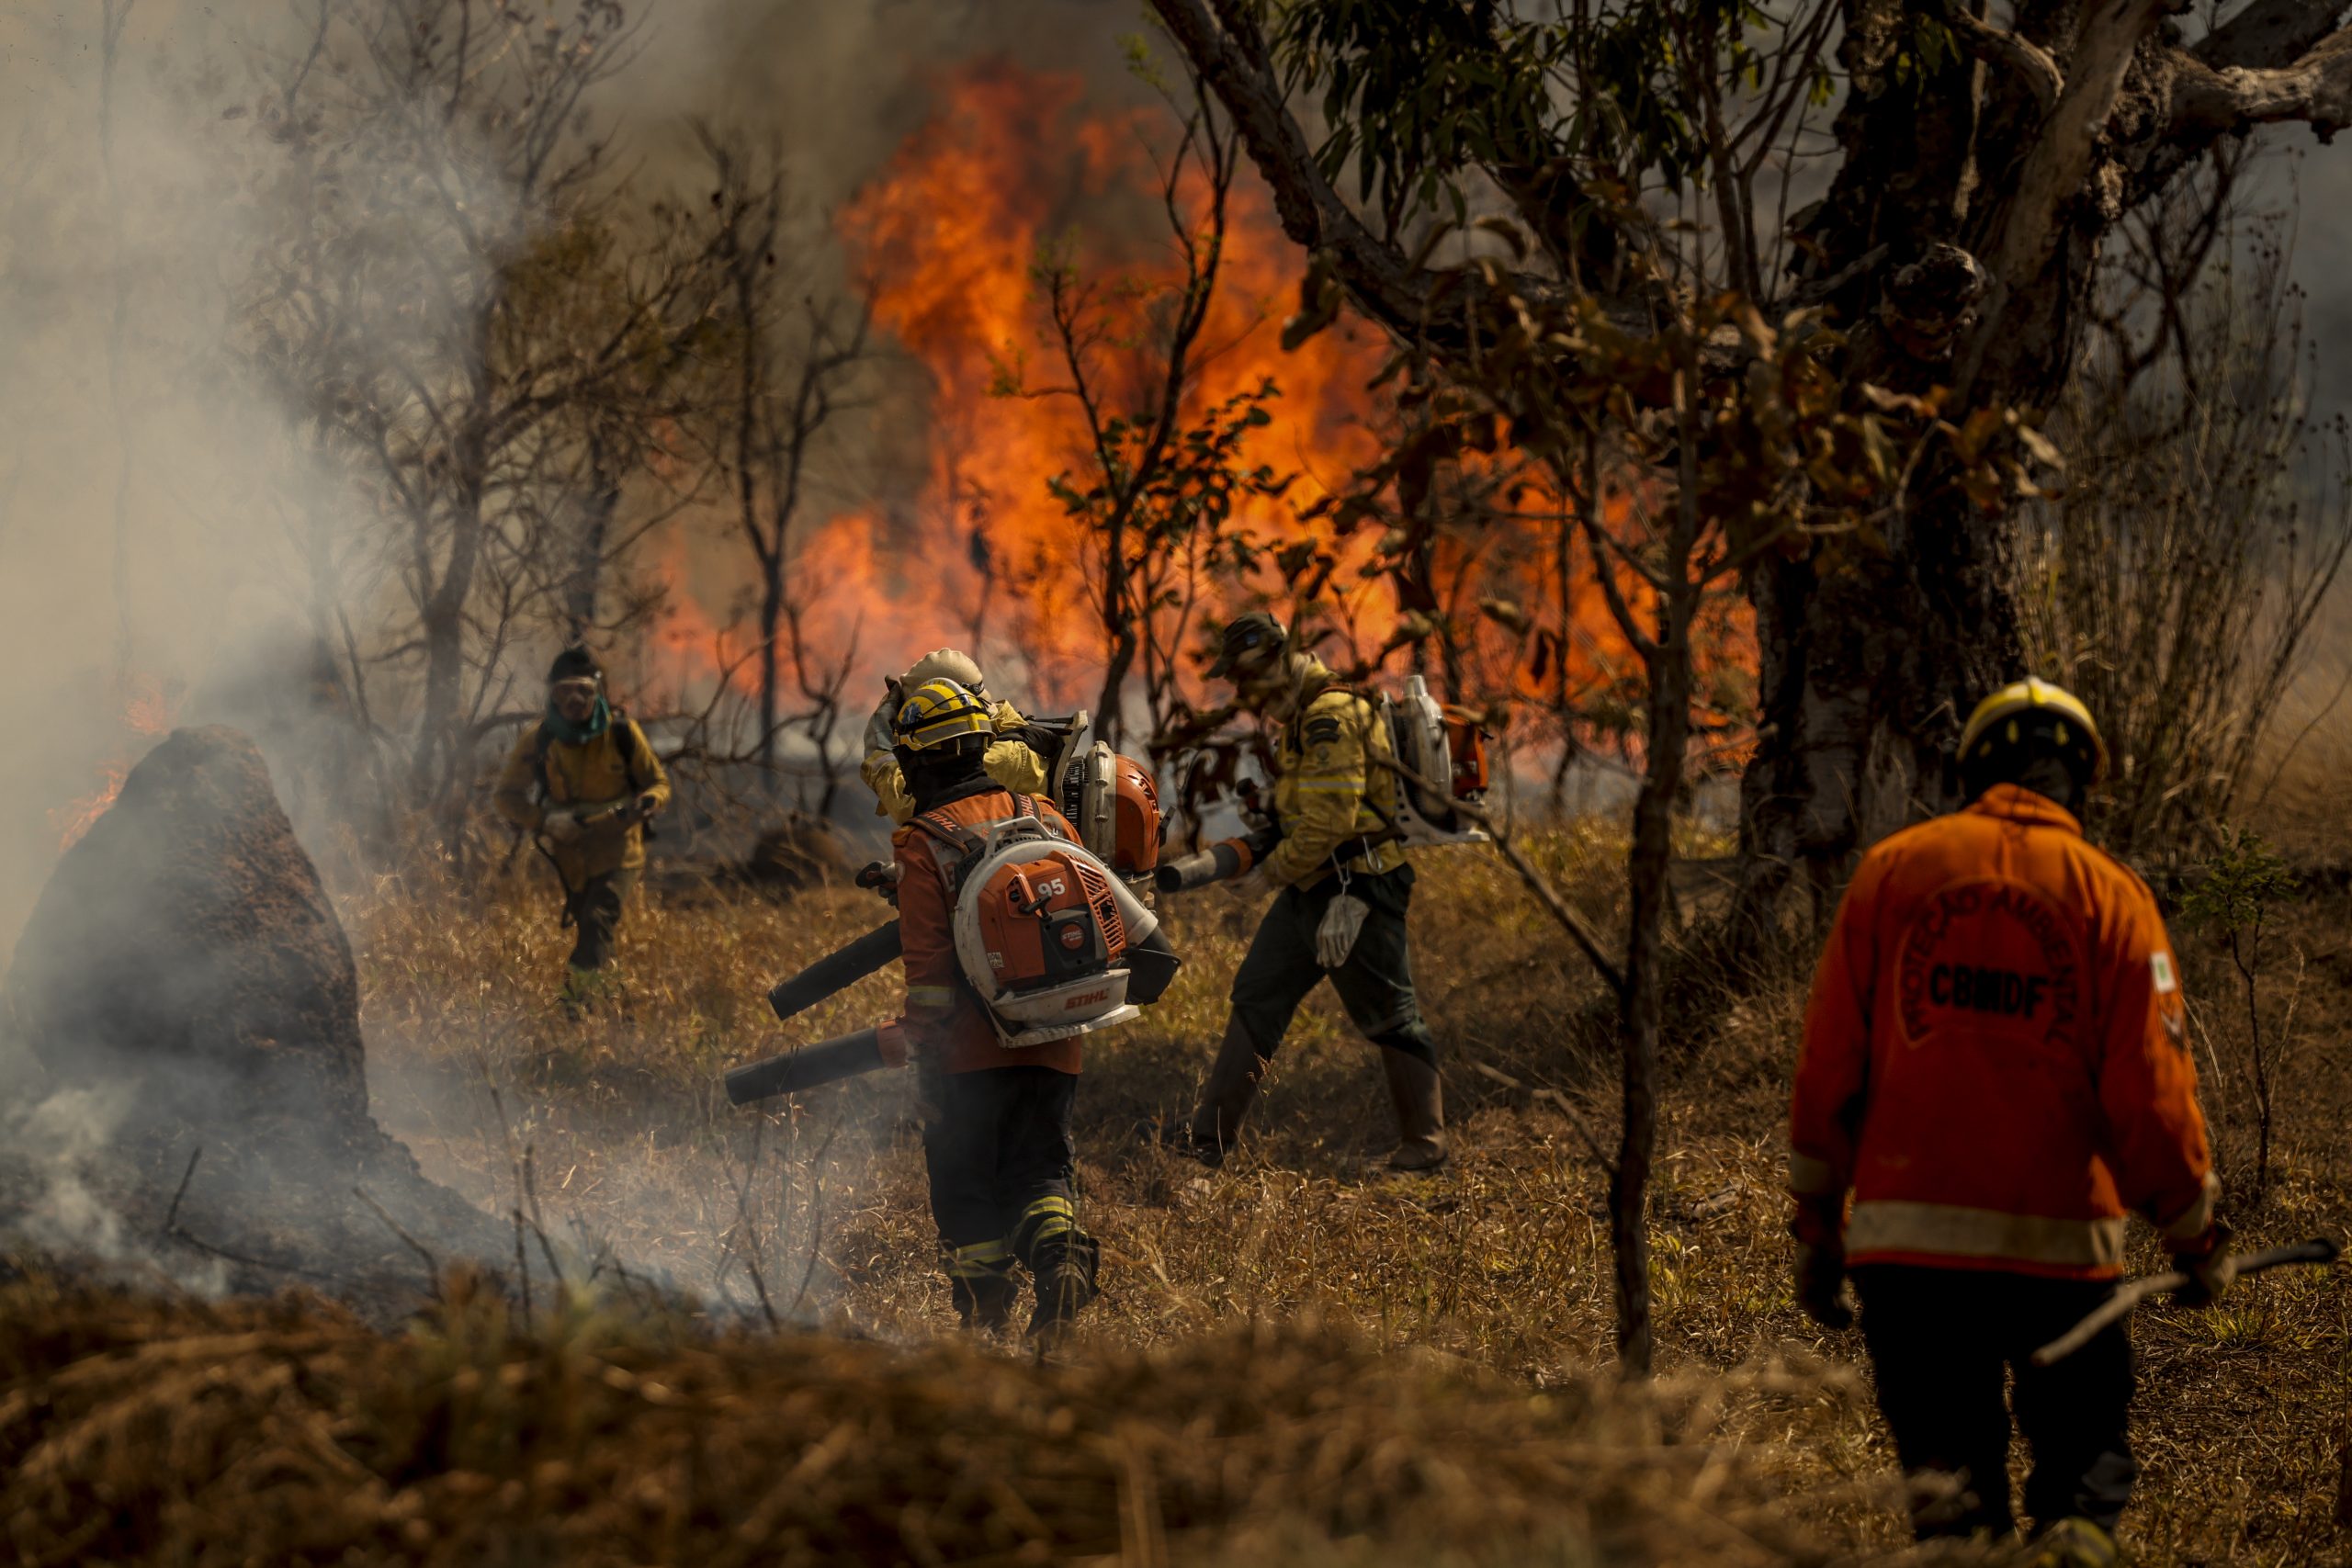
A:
(1042, 926)
(1112, 801)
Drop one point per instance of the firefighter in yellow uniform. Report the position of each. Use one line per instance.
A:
(583, 782)
(1340, 909)
(1018, 759)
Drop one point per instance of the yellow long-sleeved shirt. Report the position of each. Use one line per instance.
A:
(1329, 783)
(584, 776)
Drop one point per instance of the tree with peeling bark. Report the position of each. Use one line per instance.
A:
(1684, 469)
(1974, 165)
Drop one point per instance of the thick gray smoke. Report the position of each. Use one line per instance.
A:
(177, 547)
(165, 517)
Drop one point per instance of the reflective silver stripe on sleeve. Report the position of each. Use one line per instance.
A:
(1811, 1178)
(2191, 1223)
(931, 995)
(1328, 787)
(1946, 1230)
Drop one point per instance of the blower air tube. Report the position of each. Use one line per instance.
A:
(836, 971)
(1219, 861)
(823, 1063)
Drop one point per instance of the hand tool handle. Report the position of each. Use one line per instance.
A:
(2316, 1250)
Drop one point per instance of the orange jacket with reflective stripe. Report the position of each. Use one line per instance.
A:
(945, 1021)
(1995, 1060)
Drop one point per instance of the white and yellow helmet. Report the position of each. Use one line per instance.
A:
(935, 712)
(2034, 713)
(946, 664)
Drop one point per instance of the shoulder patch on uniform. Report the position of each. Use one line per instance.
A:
(2160, 967)
(1321, 730)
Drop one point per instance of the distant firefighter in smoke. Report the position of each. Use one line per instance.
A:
(583, 782)
(1020, 755)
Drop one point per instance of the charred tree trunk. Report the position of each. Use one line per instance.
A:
(443, 624)
(1871, 660)
(442, 611)
(1119, 633)
(771, 694)
(1867, 670)
(1640, 1005)
(597, 514)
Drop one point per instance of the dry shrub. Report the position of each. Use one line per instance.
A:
(138, 1431)
(1499, 1263)
(2205, 517)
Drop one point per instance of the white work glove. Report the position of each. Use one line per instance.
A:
(561, 826)
(1342, 923)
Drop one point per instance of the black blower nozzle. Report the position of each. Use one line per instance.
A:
(823, 1063)
(836, 971)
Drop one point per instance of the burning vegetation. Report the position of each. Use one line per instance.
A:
(146, 714)
(1589, 379)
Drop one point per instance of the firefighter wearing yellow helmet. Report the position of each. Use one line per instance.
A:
(2033, 726)
(996, 1135)
(583, 782)
(1019, 762)
(1994, 1077)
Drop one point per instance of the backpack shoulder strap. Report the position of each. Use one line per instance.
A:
(541, 741)
(1052, 826)
(939, 826)
(626, 738)
(965, 844)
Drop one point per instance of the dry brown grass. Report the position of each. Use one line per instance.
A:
(1498, 1266)
(249, 1432)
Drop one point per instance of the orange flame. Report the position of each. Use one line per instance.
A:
(148, 709)
(951, 234)
(70, 822)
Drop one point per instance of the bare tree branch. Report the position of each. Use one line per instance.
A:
(2316, 89)
(2029, 61)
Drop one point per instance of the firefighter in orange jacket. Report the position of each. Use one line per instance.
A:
(1995, 1069)
(996, 1135)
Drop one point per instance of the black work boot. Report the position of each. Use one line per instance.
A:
(1065, 1268)
(984, 1296)
(1215, 1125)
(1414, 1089)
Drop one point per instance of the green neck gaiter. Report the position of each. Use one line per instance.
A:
(573, 734)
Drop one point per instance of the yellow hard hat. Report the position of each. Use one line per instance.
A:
(937, 712)
(2008, 716)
